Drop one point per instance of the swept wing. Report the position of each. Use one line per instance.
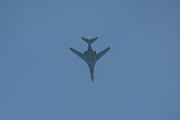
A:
(77, 53)
(99, 55)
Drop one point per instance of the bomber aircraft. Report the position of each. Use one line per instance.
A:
(90, 56)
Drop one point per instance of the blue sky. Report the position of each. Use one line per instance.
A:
(41, 79)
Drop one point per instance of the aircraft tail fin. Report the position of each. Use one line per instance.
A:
(89, 40)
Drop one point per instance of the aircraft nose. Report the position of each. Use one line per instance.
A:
(92, 78)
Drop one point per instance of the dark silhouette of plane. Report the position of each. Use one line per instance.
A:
(90, 56)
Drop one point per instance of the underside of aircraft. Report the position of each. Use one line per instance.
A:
(90, 56)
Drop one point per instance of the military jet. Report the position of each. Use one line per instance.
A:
(90, 56)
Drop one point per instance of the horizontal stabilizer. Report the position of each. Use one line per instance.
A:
(85, 39)
(89, 40)
(93, 39)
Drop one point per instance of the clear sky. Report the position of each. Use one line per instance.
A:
(41, 79)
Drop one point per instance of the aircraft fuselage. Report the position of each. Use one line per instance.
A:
(90, 56)
(90, 59)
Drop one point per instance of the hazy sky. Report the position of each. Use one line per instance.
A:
(41, 79)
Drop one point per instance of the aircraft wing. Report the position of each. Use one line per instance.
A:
(99, 55)
(77, 53)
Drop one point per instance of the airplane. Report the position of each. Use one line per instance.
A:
(90, 56)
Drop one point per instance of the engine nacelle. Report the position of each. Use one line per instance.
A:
(94, 54)
(85, 55)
